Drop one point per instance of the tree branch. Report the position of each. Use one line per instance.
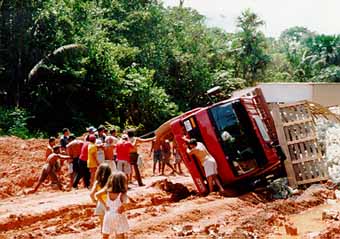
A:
(60, 50)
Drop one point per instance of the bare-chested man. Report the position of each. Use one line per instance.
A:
(51, 144)
(73, 149)
(166, 155)
(157, 155)
(209, 164)
(50, 168)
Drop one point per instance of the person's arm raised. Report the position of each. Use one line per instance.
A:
(93, 192)
(99, 195)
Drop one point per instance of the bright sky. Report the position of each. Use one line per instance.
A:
(322, 16)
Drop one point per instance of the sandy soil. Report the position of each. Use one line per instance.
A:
(51, 213)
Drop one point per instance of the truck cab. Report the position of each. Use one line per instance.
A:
(239, 133)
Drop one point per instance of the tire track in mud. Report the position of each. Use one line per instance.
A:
(51, 214)
(63, 220)
(68, 219)
(248, 216)
(152, 214)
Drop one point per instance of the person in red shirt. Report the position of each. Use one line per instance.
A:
(83, 171)
(123, 149)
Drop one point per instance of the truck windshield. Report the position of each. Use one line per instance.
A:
(234, 137)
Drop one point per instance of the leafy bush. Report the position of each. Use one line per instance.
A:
(144, 104)
(328, 74)
(14, 122)
(228, 83)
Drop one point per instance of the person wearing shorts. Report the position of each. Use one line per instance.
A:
(201, 153)
(166, 154)
(123, 150)
(157, 155)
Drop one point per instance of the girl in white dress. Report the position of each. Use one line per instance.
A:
(115, 221)
(103, 174)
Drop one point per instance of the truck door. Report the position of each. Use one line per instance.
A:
(192, 165)
(192, 129)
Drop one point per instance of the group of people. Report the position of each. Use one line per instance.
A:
(106, 164)
(85, 156)
(163, 152)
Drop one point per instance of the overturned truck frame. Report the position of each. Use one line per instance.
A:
(239, 133)
(297, 136)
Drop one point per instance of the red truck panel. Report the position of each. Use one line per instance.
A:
(178, 133)
(211, 142)
(253, 111)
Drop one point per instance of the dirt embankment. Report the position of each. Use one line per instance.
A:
(158, 209)
(20, 164)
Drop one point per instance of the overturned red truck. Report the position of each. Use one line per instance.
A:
(239, 133)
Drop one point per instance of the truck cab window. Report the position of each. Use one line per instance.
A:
(233, 138)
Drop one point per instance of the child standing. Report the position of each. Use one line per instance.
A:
(115, 220)
(102, 175)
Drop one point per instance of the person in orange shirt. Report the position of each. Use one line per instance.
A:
(73, 149)
(113, 135)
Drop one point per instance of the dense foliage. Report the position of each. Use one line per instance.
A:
(129, 62)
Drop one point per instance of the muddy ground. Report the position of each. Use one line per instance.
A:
(51, 213)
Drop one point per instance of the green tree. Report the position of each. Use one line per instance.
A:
(143, 103)
(89, 84)
(249, 46)
(294, 36)
(16, 55)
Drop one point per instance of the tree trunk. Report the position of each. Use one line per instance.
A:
(181, 3)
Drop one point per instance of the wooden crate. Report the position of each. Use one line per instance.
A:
(297, 136)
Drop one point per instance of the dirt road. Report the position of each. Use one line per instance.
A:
(65, 215)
